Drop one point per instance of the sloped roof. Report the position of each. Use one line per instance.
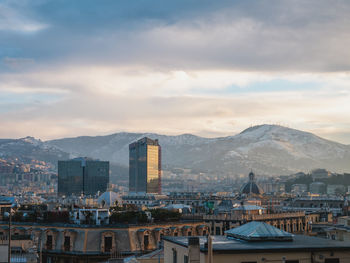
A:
(7, 199)
(249, 207)
(109, 198)
(156, 254)
(259, 231)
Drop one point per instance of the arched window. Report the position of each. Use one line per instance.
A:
(108, 243)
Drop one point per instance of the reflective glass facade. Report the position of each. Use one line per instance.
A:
(82, 175)
(145, 166)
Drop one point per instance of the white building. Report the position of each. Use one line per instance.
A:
(91, 216)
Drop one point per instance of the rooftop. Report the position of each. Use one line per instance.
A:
(159, 253)
(249, 207)
(7, 200)
(230, 245)
(258, 231)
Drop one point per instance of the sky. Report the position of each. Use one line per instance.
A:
(210, 68)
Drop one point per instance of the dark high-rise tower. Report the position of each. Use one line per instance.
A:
(145, 166)
(82, 175)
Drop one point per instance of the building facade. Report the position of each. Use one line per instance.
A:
(74, 243)
(82, 176)
(296, 222)
(314, 204)
(145, 166)
(255, 243)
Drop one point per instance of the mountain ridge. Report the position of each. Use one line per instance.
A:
(268, 149)
(260, 147)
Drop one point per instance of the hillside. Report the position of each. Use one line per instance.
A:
(268, 149)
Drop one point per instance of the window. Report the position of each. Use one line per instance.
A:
(217, 231)
(108, 244)
(189, 233)
(66, 243)
(204, 233)
(174, 256)
(145, 241)
(331, 260)
(185, 259)
(49, 242)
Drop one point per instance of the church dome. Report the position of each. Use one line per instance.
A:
(108, 199)
(251, 187)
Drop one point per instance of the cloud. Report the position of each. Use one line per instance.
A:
(102, 100)
(209, 68)
(13, 20)
(237, 35)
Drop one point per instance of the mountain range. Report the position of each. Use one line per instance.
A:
(267, 149)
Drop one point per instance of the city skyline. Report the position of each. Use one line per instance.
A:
(174, 131)
(70, 69)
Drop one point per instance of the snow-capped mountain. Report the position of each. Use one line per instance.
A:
(29, 148)
(268, 149)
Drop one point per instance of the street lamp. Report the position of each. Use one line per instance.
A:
(9, 215)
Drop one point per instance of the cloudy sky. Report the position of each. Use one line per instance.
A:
(211, 68)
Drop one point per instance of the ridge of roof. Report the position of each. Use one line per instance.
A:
(258, 231)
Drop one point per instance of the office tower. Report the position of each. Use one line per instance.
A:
(145, 166)
(82, 176)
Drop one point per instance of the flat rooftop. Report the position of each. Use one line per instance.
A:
(223, 244)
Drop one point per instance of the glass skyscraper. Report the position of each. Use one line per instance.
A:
(82, 176)
(145, 166)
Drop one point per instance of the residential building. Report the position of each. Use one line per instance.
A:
(299, 188)
(295, 222)
(91, 216)
(317, 188)
(311, 204)
(336, 189)
(6, 203)
(320, 174)
(255, 242)
(339, 231)
(80, 243)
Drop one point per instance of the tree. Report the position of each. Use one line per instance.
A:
(128, 217)
(164, 215)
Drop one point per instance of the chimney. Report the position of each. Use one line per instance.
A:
(193, 250)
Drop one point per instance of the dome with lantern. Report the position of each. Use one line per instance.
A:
(251, 187)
